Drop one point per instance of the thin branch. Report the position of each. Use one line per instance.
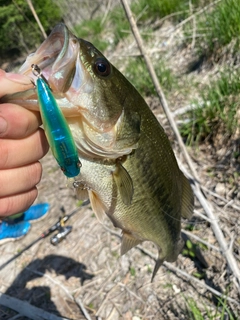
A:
(82, 308)
(78, 301)
(229, 203)
(105, 299)
(196, 188)
(29, 2)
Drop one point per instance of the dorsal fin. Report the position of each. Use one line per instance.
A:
(187, 199)
(128, 242)
(97, 205)
(124, 183)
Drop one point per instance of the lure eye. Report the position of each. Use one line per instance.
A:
(102, 67)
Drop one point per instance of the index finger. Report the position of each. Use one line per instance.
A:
(13, 82)
(20, 121)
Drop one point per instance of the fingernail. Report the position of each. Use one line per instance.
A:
(3, 125)
(19, 78)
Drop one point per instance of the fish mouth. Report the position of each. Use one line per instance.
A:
(57, 58)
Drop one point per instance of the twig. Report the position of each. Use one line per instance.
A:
(82, 308)
(187, 276)
(218, 233)
(94, 296)
(105, 299)
(26, 309)
(130, 292)
(202, 216)
(228, 203)
(29, 2)
(77, 301)
(206, 206)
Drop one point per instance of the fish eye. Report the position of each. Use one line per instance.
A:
(102, 67)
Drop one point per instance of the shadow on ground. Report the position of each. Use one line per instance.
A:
(40, 296)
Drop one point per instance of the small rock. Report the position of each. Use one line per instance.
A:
(220, 188)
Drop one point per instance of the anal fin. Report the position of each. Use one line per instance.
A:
(128, 242)
(97, 205)
(124, 183)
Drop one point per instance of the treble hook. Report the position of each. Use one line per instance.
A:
(38, 73)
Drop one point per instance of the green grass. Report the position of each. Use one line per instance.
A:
(132, 271)
(119, 24)
(136, 72)
(92, 31)
(217, 28)
(218, 111)
(157, 9)
(148, 11)
(221, 312)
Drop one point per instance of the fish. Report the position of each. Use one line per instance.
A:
(56, 128)
(129, 171)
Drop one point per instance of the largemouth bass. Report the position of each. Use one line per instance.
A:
(129, 171)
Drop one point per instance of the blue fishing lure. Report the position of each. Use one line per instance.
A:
(56, 128)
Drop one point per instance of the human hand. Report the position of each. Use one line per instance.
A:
(22, 144)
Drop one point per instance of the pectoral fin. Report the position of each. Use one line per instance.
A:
(128, 242)
(124, 183)
(98, 207)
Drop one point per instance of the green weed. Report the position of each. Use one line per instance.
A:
(19, 30)
(136, 72)
(132, 271)
(195, 312)
(92, 30)
(149, 11)
(217, 113)
(217, 28)
(119, 24)
(157, 9)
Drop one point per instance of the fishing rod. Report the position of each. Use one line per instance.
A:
(59, 226)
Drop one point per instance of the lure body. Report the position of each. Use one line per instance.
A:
(57, 131)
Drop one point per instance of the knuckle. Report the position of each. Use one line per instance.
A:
(4, 152)
(17, 203)
(44, 142)
(35, 173)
